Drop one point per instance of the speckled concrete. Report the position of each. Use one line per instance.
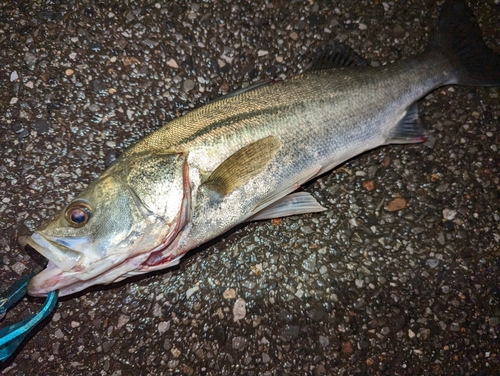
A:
(399, 276)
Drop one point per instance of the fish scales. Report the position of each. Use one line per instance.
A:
(313, 105)
(322, 119)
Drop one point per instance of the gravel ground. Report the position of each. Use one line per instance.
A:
(400, 275)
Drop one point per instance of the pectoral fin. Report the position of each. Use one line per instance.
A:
(295, 203)
(243, 165)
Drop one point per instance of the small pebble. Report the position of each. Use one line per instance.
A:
(449, 214)
(58, 334)
(172, 63)
(19, 268)
(324, 341)
(175, 352)
(188, 85)
(163, 326)
(239, 342)
(229, 294)
(239, 309)
(122, 320)
(191, 291)
(346, 348)
(396, 204)
(432, 263)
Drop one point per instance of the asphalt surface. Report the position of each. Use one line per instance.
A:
(399, 276)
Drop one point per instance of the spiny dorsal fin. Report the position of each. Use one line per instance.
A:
(409, 129)
(243, 165)
(242, 90)
(336, 56)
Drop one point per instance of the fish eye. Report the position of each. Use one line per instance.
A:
(78, 213)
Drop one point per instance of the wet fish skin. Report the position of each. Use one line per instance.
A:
(234, 159)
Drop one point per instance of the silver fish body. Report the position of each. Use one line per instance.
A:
(240, 158)
(319, 120)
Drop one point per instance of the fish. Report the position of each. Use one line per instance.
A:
(242, 157)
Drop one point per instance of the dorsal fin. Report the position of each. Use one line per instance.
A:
(242, 90)
(336, 56)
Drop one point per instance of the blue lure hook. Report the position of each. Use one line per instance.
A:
(12, 335)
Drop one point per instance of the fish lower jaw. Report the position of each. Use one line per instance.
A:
(100, 272)
(104, 271)
(45, 281)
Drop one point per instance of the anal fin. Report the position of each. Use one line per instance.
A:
(409, 129)
(295, 203)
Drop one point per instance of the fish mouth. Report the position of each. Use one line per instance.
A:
(70, 271)
(87, 272)
(108, 270)
(61, 256)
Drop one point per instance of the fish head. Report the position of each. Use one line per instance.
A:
(108, 231)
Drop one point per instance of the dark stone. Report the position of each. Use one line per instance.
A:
(371, 220)
(317, 312)
(109, 158)
(187, 64)
(95, 46)
(17, 126)
(449, 225)
(291, 331)
(99, 87)
(314, 20)
(41, 126)
(46, 15)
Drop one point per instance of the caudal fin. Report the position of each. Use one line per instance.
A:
(458, 35)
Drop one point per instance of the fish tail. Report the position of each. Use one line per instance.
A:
(458, 35)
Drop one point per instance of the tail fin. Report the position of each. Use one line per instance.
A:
(458, 35)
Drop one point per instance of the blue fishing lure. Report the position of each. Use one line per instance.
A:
(12, 335)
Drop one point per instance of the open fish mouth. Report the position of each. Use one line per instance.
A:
(70, 271)
(108, 270)
(60, 255)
